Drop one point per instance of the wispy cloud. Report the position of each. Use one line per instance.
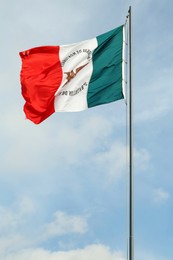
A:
(11, 218)
(141, 159)
(16, 230)
(15, 221)
(157, 97)
(160, 196)
(91, 252)
(63, 224)
(143, 254)
(69, 145)
(114, 159)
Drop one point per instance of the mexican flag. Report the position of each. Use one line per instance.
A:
(73, 77)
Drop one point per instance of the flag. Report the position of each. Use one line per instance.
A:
(72, 77)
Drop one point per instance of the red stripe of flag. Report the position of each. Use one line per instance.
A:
(41, 76)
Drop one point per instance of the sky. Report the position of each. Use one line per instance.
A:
(63, 183)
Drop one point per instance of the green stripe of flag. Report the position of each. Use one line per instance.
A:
(106, 81)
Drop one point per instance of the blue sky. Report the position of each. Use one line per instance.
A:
(63, 183)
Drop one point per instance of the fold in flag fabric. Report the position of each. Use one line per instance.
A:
(72, 77)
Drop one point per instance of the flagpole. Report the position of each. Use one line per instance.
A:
(131, 179)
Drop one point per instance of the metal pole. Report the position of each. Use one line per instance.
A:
(131, 184)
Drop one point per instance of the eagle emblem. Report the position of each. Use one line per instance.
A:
(72, 74)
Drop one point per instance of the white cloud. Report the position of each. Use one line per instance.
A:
(18, 222)
(13, 217)
(77, 143)
(29, 144)
(160, 196)
(13, 243)
(141, 159)
(65, 224)
(91, 252)
(26, 205)
(154, 99)
(146, 254)
(13, 222)
(114, 160)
